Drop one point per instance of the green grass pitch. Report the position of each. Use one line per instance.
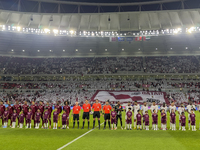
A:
(41, 139)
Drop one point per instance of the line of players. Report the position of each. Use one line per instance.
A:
(41, 112)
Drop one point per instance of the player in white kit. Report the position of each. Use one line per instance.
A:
(144, 108)
(180, 110)
(189, 108)
(126, 110)
(172, 106)
(154, 107)
(136, 107)
(165, 109)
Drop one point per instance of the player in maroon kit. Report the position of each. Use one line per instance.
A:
(129, 119)
(21, 119)
(113, 117)
(59, 110)
(28, 118)
(64, 119)
(146, 120)
(139, 120)
(25, 108)
(34, 109)
(10, 109)
(49, 107)
(2, 109)
(55, 118)
(37, 118)
(5, 117)
(193, 120)
(18, 109)
(173, 119)
(41, 108)
(46, 118)
(13, 118)
(183, 120)
(67, 110)
(163, 119)
(155, 120)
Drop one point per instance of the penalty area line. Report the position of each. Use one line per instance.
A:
(76, 139)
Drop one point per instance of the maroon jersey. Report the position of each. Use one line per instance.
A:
(55, 115)
(41, 108)
(2, 109)
(14, 116)
(49, 107)
(64, 117)
(5, 114)
(113, 114)
(155, 117)
(21, 118)
(59, 108)
(192, 117)
(139, 117)
(46, 114)
(25, 108)
(163, 117)
(173, 116)
(146, 117)
(10, 109)
(67, 109)
(17, 108)
(33, 108)
(129, 114)
(183, 118)
(37, 115)
(29, 114)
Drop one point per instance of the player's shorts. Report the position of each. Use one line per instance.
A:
(173, 121)
(155, 122)
(106, 116)
(192, 123)
(5, 119)
(163, 121)
(86, 115)
(21, 121)
(28, 120)
(183, 124)
(135, 116)
(76, 117)
(64, 122)
(55, 120)
(96, 114)
(119, 117)
(113, 121)
(37, 121)
(45, 120)
(129, 121)
(147, 123)
(138, 122)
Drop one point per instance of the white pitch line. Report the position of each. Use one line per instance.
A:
(76, 139)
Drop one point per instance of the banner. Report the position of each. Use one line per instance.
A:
(125, 96)
(129, 39)
(112, 39)
(121, 39)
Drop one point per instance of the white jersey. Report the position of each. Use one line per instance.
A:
(127, 108)
(190, 107)
(136, 108)
(180, 110)
(154, 107)
(144, 108)
(165, 108)
(172, 107)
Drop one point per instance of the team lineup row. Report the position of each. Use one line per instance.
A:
(25, 114)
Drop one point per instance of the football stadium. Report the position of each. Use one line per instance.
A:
(99, 74)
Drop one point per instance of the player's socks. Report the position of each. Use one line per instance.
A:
(115, 126)
(99, 123)
(83, 124)
(121, 123)
(109, 124)
(88, 124)
(105, 124)
(73, 124)
(127, 126)
(112, 126)
(78, 123)
(130, 126)
(93, 124)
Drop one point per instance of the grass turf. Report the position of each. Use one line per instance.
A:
(34, 139)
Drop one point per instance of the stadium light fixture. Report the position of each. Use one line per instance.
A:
(23, 50)
(50, 50)
(71, 31)
(106, 50)
(122, 49)
(38, 50)
(190, 30)
(46, 30)
(18, 28)
(139, 49)
(186, 47)
(90, 50)
(12, 50)
(77, 50)
(55, 31)
(63, 50)
(156, 48)
(171, 48)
